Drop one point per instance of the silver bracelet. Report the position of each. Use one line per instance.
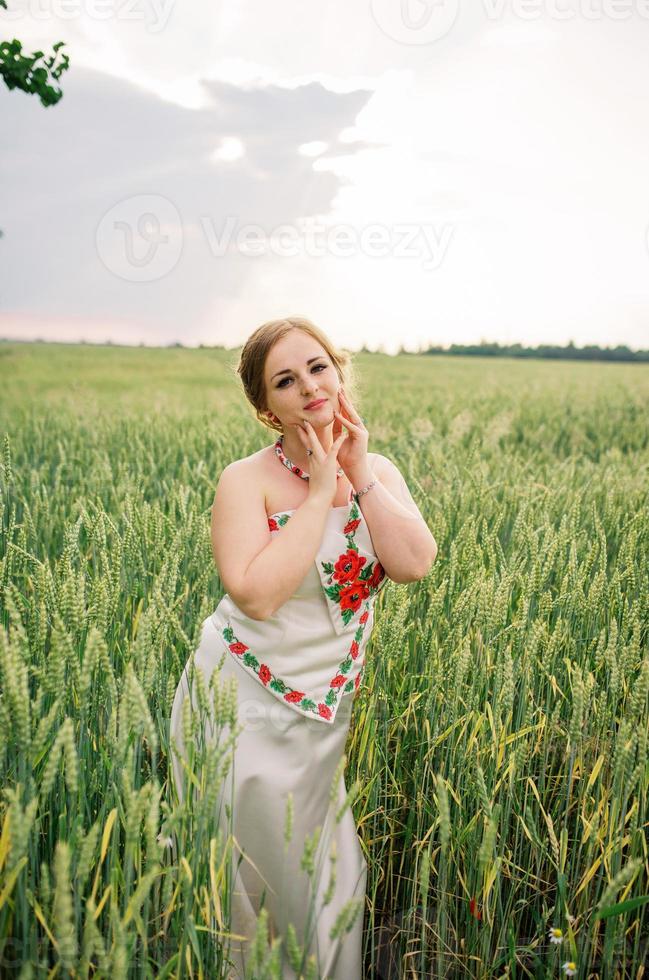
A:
(359, 493)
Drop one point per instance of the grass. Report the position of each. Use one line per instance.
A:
(499, 741)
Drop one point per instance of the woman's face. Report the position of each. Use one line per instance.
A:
(292, 383)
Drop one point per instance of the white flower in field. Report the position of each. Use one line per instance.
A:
(164, 841)
(570, 968)
(556, 935)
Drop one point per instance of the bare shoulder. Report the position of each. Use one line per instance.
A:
(247, 467)
(239, 529)
(240, 481)
(258, 469)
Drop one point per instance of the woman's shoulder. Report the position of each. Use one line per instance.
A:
(255, 463)
(260, 459)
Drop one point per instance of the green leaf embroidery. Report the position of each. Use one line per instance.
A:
(333, 592)
(366, 572)
(347, 614)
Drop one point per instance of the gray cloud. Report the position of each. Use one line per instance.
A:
(106, 141)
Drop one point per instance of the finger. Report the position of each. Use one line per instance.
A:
(338, 444)
(313, 441)
(350, 408)
(345, 421)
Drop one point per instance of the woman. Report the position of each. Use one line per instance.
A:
(304, 533)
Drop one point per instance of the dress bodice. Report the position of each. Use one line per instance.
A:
(310, 652)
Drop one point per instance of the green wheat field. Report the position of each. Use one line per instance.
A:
(497, 757)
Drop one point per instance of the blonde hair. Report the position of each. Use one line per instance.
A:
(252, 361)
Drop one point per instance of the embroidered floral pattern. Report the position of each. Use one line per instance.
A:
(350, 579)
(290, 694)
(352, 582)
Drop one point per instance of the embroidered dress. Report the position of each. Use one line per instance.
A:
(310, 653)
(297, 673)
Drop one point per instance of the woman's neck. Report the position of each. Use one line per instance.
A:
(295, 451)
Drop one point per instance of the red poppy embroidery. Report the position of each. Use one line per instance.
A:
(294, 696)
(353, 595)
(307, 704)
(352, 581)
(238, 648)
(351, 526)
(348, 565)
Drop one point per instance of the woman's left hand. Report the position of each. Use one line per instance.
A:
(352, 454)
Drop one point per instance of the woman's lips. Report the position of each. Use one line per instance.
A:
(317, 404)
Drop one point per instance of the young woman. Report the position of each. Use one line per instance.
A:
(305, 533)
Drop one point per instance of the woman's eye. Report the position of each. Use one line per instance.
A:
(314, 368)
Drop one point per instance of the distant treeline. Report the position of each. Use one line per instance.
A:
(593, 352)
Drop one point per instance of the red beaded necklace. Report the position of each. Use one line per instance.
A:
(292, 466)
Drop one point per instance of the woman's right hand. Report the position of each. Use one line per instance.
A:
(323, 466)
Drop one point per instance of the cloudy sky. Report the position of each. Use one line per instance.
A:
(400, 171)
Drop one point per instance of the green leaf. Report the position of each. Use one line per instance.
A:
(622, 907)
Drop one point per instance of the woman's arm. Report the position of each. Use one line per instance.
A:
(259, 572)
(402, 540)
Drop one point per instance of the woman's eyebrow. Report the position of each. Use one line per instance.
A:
(288, 370)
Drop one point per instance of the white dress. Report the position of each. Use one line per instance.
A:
(297, 673)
